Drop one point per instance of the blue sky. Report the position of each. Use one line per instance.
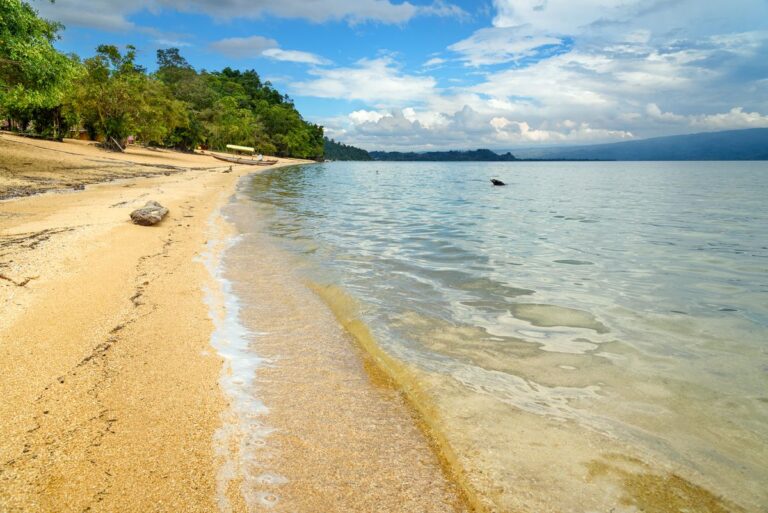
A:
(436, 74)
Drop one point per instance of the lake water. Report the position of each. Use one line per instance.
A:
(591, 336)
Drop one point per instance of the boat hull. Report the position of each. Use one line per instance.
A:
(243, 161)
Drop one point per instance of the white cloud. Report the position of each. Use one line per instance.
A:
(279, 54)
(239, 47)
(733, 119)
(172, 43)
(359, 117)
(378, 82)
(405, 129)
(103, 15)
(548, 71)
(518, 132)
(557, 16)
(354, 11)
(594, 92)
(258, 46)
(499, 45)
(113, 14)
(434, 62)
(443, 9)
(654, 112)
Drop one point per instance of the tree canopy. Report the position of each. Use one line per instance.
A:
(112, 97)
(33, 75)
(339, 151)
(480, 155)
(116, 98)
(236, 107)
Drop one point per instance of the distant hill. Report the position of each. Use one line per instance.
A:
(338, 151)
(444, 156)
(748, 144)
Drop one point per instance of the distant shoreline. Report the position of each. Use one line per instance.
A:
(749, 144)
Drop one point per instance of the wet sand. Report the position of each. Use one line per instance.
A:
(110, 385)
(330, 432)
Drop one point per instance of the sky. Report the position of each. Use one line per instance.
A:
(458, 74)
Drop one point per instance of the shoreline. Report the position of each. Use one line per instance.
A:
(128, 358)
(512, 444)
(317, 427)
(110, 384)
(124, 364)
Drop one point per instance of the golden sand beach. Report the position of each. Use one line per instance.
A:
(109, 383)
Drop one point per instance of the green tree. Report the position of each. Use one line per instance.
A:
(117, 99)
(235, 107)
(187, 86)
(34, 76)
(339, 151)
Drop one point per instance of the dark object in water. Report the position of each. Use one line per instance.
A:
(497, 182)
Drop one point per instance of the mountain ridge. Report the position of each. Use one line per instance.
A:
(743, 144)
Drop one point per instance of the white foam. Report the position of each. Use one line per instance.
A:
(243, 432)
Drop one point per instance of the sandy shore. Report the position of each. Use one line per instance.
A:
(126, 370)
(109, 386)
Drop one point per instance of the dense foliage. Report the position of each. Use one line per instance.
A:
(461, 156)
(115, 98)
(338, 151)
(110, 96)
(34, 76)
(235, 107)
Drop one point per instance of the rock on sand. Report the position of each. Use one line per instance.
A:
(151, 213)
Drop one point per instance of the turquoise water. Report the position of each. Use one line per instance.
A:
(628, 300)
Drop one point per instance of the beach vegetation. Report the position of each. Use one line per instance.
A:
(115, 99)
(44, 92)
(34, 76)
(339, 151)
(480, 155)
(235, 107)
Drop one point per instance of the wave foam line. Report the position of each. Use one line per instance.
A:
(243, 432)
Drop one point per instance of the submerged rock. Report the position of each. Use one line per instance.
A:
(151, 213)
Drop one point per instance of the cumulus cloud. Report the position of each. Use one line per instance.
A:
(172, 43)
(359, 117)
(654, 112)
(377, 82)
(499, 45)
(443, 9)
(258, 46)
(279, 54)
(406, 129)
(733, 119)
(113, 14)
(558, 16)
(434, 62)
(354, 11)
(544, 71)
(251, 46)
(517, 132)
(563, 72)
(587, 94)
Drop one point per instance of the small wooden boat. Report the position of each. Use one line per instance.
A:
(243, 160)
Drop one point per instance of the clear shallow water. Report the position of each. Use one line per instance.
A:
(622, 301)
